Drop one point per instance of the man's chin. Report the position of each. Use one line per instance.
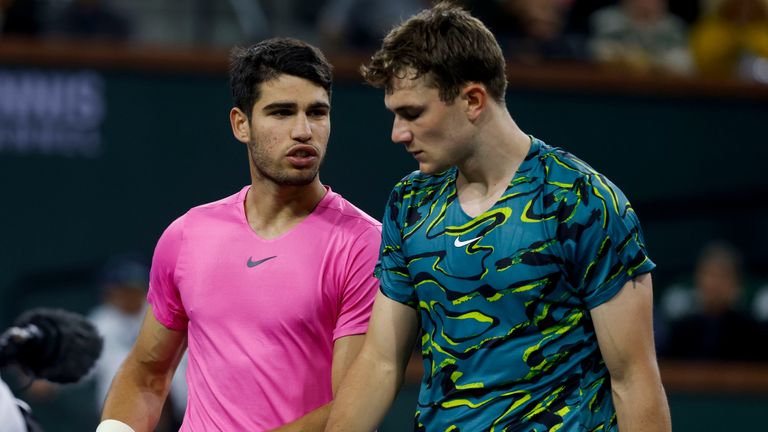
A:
(289, 178)
(431, 169)
(299, 180)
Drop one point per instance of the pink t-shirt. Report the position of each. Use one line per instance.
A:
(262, 315)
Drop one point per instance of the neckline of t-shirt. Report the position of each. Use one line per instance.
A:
(324, 201)
(525, 165)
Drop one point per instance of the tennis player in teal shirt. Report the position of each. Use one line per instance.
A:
(522, 270)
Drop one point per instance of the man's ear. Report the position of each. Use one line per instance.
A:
(475, 97)
(241, 127)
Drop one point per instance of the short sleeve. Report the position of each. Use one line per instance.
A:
(602, 238)
(391, 268)
(359, 289)
(163, 291)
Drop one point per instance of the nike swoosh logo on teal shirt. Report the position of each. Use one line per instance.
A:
(461, 243)
(252, 263)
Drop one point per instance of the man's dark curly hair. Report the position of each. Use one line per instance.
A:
(445, 44)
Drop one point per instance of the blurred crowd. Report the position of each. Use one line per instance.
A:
(716, 314)
(715, 38)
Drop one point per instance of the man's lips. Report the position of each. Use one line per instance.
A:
(302, 151)
(302, 156)
(416, 153)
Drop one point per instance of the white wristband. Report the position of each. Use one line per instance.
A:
(114, 426)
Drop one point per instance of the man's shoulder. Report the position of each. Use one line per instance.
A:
(348, 215)
(237, 197)
(565, 172)
(204, 212)
(561, 163)
(418, 182)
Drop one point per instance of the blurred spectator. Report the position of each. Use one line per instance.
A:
(20, 17)
(641, 34)
(13, 421)
(91, 19)
(718, 328)
(124, 286)
(360, 25)
(530, 31)
(732, 40)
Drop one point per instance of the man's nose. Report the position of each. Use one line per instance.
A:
(401, 134)
(301, 130)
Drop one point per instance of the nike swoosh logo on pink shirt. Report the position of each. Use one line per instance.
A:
(252, 263)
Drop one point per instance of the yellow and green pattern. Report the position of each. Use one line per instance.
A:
(504, 298)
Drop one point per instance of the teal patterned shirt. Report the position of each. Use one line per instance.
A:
(504, 298)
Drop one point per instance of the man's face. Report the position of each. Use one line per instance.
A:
(434, 132)
(289, 129)
(718, 283)
(128, 298)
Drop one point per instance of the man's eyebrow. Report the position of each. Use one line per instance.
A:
(403, 108)
(319, 104)
(279, 105)
(293, 106)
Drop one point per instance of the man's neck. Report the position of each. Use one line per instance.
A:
(499, 149)
(272, 210)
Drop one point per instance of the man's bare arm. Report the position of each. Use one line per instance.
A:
(141, 385)
(624, 327)
(376, 375)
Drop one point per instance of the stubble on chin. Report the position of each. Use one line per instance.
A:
(273, 172)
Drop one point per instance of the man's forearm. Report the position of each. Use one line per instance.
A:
(365, 395)
(641, 404)
(135, 399)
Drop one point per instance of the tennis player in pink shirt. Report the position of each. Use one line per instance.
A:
(269, 289)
